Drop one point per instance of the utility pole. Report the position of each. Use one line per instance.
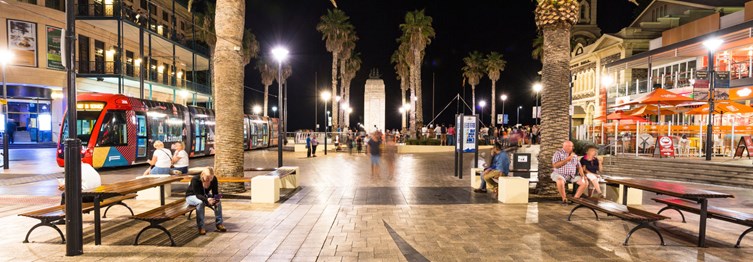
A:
(74, 245)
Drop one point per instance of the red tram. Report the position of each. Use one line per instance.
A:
(117, 130)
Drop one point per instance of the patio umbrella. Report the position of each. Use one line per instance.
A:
(722, 107)
(661, 97)
(619, 115)
(650, 110)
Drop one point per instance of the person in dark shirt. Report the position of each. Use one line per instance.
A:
(201, 192)
(592, 168)
(375, 153)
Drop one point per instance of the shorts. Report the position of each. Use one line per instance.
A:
(556, 176)
(374, 160)
(591, 176)
(183, 170)
(160, 171)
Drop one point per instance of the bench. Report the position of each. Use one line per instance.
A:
(644, 218)
(723, 214)
(157, 216)
(266, 188)
(50, 214)
(187, 179)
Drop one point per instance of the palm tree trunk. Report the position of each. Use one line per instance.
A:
(493, 100)
(266, 99)
(403, 89)
(346, 101)
(334, 92)
(228, 87)
(413, 128)
(419, 98)
(555, 102)
(473, 99)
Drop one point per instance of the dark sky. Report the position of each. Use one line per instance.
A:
(461, 26)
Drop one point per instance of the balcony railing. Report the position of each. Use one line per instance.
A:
(97, 67)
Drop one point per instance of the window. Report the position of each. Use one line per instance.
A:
(114, 129)
(85, 122)
(129, 63)
(143, 4)
(55, 4)
(165, 16)
(152, 9)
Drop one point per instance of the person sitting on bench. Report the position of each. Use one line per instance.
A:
(566, 167)
(500, 167)
(591, 166)
(201, 192)
(89, 179)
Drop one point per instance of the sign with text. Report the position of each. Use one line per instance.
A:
(536, 112)
(469, 134)
(721, 79)
(745, 144)
(503, 119)
(664, 147)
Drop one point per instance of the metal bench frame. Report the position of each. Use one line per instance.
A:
(711, 215)
(642, 224)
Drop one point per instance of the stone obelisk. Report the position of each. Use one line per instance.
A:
(374, 103)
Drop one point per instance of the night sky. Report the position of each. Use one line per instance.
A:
(461, 26)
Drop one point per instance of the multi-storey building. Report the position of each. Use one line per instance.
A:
(151, 49)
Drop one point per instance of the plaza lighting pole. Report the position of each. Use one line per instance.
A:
(537, 88)
(504, 98)
(5, 58)
(711, 45)
(325, 96)
(74, 245)
(280, 54)
(518, 117)
(482, 104)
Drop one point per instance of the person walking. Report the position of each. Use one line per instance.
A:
(308, 145)
(451, 135)
(390, 156)
(375, 153)
(11, 129)
(314, 143)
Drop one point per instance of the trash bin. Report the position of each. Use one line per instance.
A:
(521, 165)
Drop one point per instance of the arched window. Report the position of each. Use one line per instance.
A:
(585, 12)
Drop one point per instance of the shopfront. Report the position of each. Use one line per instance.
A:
(29, 114)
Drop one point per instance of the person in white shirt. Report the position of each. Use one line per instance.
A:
(161, 160)
(437, 131)
(180, 159)
(425, 131)
(89, 179)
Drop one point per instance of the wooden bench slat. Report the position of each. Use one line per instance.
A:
(166, 212)
(726, 214)
(59, 211)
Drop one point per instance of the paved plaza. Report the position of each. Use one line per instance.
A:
(341, 214)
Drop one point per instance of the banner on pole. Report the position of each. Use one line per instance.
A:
(503, 119)
(469, 134)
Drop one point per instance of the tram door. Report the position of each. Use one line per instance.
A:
(245, 134)
(200, 136)
(141, 138)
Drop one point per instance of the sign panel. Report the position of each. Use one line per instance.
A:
(503, 119)
(721, 79)
(22, 42)
(745, 144)
(54, 50)
(664, 147)
(469, 134)
(536, 112)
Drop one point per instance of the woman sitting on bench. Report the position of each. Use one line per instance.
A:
(591, 166)
(203, 191)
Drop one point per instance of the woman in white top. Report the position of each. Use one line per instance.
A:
(161, 160)
(180, 159)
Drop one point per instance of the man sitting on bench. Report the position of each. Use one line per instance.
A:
(89, 179)
(566, 166)
(203, 191)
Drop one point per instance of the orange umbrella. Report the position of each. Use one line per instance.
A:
(661, 96)
(722, 107)
(650, 110)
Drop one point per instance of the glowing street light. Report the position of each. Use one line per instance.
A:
(256, 109)
(482, 104)
(274, 110)
(606, 80)
(537, 88)
(280, 54)
(504, 98)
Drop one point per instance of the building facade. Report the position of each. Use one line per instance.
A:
(150, 49)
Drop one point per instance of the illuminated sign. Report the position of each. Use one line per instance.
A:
(90, 106)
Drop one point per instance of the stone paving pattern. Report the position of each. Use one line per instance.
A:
(341, 214)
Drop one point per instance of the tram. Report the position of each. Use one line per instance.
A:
(117, 130)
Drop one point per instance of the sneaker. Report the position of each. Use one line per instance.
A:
(220, 228)
(202, 231)
(479, 191)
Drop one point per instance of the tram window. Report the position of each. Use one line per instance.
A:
(114, 129)
(84, 124)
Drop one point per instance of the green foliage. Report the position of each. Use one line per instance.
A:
(579, 146)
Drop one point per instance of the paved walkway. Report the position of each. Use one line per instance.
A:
(341, 214)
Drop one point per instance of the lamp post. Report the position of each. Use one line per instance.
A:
(274, 110)
(711, 45)
(517, 118)
(5, 58)
(537, 88)
(504, 98)
(325, 97)
(482, 104)
(280, 54)
(256, 109)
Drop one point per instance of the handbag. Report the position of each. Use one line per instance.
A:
(170, 157)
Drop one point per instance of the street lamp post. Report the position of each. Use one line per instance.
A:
(280, 54)
(482, 104)
(504, 98)
(256, 109)
(517, 118)
(5, 58)
(325, 97)
(711, 45)
(537, 88)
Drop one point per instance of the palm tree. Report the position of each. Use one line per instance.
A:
(472, 73)
(268, 74)
(403, 74)
(494, 65)
(349, 70)
(554, 18)
(418, 32)
(538, 47)
(227, 77)
(349, 46)
(334, 27)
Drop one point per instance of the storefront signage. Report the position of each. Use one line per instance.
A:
(664, 147)
(54, 55)
(22, 42)
(745, 144)
(721, 79)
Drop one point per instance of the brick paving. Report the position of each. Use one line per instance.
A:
(341, 214)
